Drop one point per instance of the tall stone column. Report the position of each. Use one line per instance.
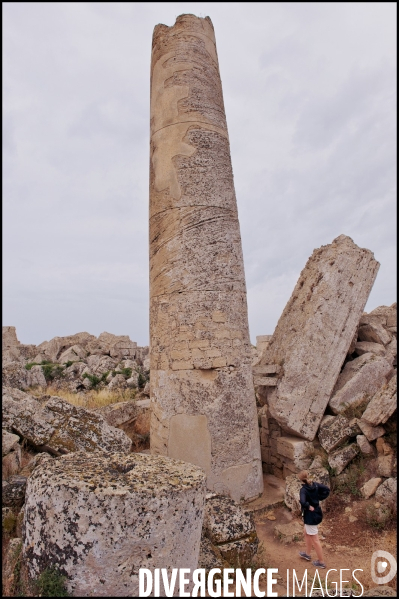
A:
(202, 396)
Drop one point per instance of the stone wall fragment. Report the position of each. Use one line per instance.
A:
(100, 520)
(315, 331)
(203, 401)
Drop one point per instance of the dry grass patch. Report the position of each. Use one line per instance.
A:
(90, 399)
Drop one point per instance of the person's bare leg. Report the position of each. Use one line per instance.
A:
(308, 542)
(317, 546)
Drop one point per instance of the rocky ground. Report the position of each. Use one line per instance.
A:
(81, 393)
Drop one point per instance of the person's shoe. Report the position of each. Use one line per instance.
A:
(305, 556)
(319, 564)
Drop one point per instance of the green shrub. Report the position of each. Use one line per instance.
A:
(144, 376)
(127, 372)
(51, 584)
(352, 479)
(52, 371)
(9, 523)
(378, 518)
(69, 363)
(95, 380)
(29, 365)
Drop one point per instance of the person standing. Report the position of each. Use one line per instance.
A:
(310, 496)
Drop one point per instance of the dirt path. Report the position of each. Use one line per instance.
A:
(348, 544)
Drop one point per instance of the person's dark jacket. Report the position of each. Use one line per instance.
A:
(311, 495)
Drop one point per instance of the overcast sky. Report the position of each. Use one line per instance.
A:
(310, 98)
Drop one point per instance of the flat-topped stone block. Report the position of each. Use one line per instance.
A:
(99, 518)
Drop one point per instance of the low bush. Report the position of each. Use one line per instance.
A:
(51, 584)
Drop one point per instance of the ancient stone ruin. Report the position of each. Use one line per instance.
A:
(326, 378)
(203, 403)
(102, 517)
(77, 495)
(314, 333)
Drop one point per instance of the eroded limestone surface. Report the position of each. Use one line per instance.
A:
(100, 518)
(203, 402)
(315, 331)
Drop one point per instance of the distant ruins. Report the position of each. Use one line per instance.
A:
(203, 402)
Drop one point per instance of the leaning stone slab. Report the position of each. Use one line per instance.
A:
(370, 487)
(387, 492)
(382, 404)
(100, 520)
(341, 457)
(293, 487)
(334, 432)
(315, 331)
(363, 385)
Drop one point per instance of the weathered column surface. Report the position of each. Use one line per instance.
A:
(99, 518)
(315, 331)
(203, 403)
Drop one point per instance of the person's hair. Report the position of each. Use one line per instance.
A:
(304, 476)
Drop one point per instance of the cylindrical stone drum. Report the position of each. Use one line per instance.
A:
(99, 518)
(202, 394)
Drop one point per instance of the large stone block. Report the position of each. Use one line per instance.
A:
(374, 333)
(363, 384)
(388, 491)
(315, 331)
(203, 401)
(61, 426)
(295, 453)
(100, 520)
(382, 404)
(370, 487)
(341, 457)
(334, 432)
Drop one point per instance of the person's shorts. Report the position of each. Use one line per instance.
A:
(311, 529)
